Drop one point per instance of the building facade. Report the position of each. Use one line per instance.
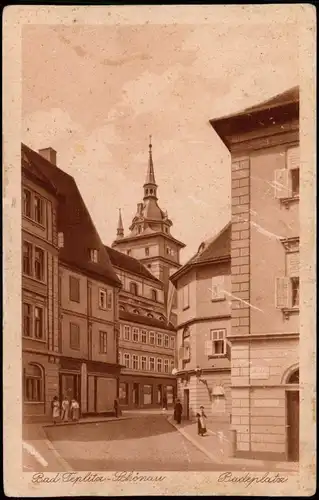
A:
(204, 322)
(40, 332)
(87, 288)
(150, 239)
(264, 146)
(147, 340)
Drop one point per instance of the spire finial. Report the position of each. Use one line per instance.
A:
(150, 177)
(120, 228)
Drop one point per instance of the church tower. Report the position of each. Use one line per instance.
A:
(150, 239)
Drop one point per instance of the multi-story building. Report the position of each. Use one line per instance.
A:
(88, 297)
(40, 333)
(203, 323)
(264, 145)
(147, 339)
(150, 240)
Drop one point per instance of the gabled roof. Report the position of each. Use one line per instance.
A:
(211, 251)
(144, 320)
(74, 220)
(123, 261)
(280, 109)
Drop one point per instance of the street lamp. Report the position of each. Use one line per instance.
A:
(174, 371)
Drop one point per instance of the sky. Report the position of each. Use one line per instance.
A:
(95, 93)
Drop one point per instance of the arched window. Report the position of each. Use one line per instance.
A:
(133, 288)
(33, 383)
(136, 311)
(154, 295)
(293, 378)
(186, 335)
(151, 191)
(150, 315)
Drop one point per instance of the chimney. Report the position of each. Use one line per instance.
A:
(49, 154)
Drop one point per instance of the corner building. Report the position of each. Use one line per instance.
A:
(204, 323)
(264, 145)
(87, 288)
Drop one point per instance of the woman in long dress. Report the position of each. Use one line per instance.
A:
(201, 422)
(55, 409)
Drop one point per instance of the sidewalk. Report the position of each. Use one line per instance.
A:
(216, 445)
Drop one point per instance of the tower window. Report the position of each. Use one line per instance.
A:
(151, 191)
(147, 252)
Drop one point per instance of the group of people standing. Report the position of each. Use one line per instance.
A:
(68, 410)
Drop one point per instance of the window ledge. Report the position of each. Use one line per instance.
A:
(214, 356)
(33, 278)
(288, 311)
(33, 402)
(218, 299)
(35, 222)
(43, 341)
(288, 201)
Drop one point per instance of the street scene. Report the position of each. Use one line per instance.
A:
(160, 176)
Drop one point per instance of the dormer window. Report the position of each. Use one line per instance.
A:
(147, 252)
(93, 254)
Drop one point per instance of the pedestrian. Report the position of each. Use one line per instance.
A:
(65, 409)
(178, 410)
(201, 422)
(55, 407)
(75, 410)
(116, 408)
(164, 402)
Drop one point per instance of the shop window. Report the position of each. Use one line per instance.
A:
(147, 394)
(123, 393)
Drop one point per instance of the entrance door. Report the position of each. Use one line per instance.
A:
(292, 398)
(186, 403)
(136, 394)
(160, 395)
(70, 386)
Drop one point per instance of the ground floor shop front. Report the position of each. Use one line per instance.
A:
(146, 392)
(93, 384)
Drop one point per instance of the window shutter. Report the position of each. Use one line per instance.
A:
(282, 183)
(282, 292)
(293, 158)
(109, 299)
(228, 350)
(208, 348)
(293, 264)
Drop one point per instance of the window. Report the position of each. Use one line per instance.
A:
(143, 363)
(93, 255)
(144, 336)
(27, 203)
(33, 384)
(74, 336)
(135, 332)
(152, 364)
(38, 209)
(147, 252)
(186, 335)
(39, 264)
(185, 297)
(217, 344)
(159, 340)
(127, 332)
(27, 258)
(154, 295)
(294, 181)
(103, 342)
(166, 365)
(172, 343)
(159, 365)
(74, 286)
(295, 292)
(150, 315)
(135, 361)
(133, 288)
(166, 341)
(27, 320)
(152, 338)
(120, 358)
(126, 360)
(105, 299)
(217, 290)
(38, 323)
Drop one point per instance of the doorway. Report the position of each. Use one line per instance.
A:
(292, 399)
(70, 386)
(186, 404)
(136, 394)
(159, 395)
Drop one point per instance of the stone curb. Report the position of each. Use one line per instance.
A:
(83, 422)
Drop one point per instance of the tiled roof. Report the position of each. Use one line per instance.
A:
(291, 95)
(144, 320)
(123, 261)
(215, 248)
(74, 220)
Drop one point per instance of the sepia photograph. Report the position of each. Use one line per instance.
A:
(160, 298)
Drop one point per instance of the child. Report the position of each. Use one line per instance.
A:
(75, 410)
(55, 406)
(201, 422)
